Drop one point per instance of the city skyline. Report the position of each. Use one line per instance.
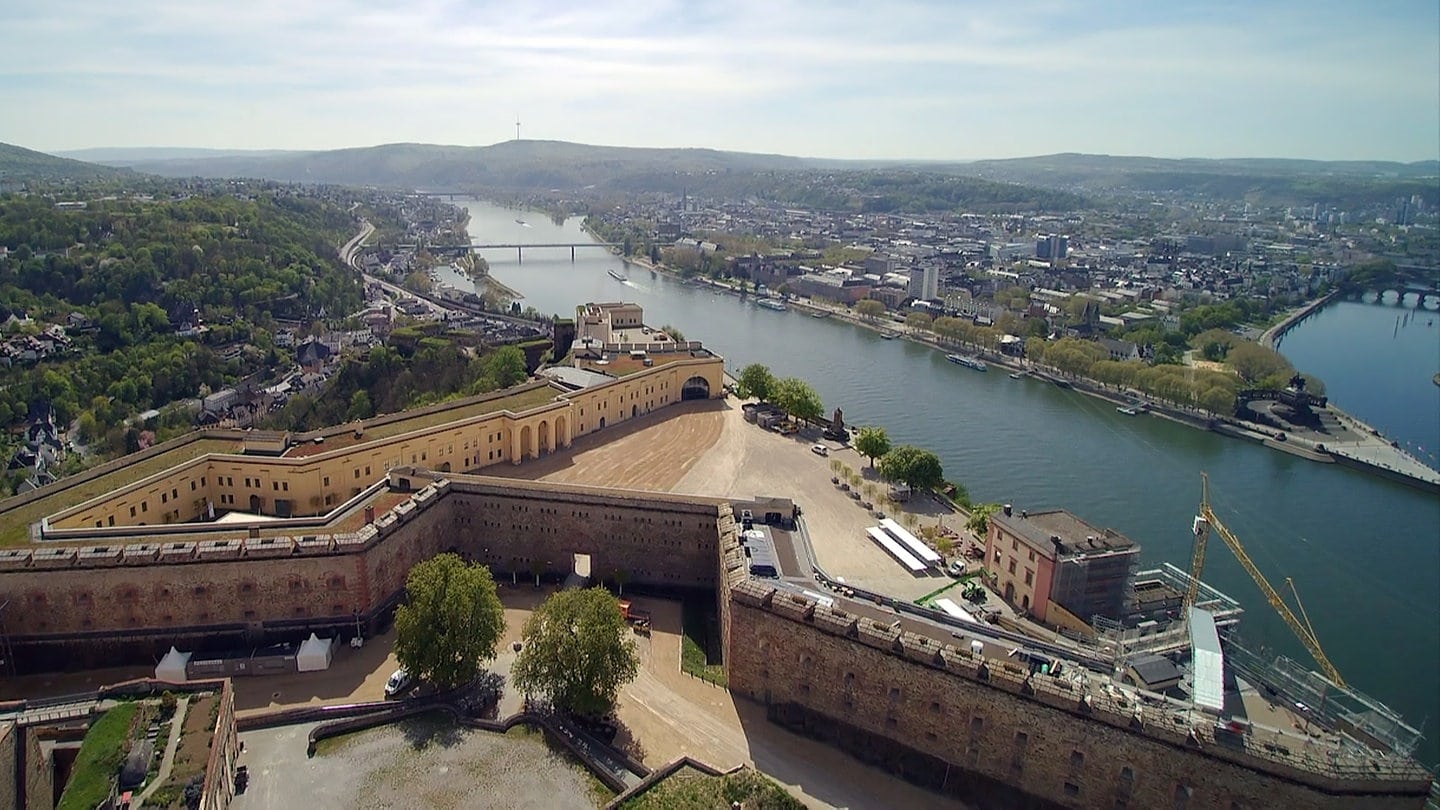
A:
(916, 80)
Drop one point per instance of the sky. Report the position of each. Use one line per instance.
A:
(822, 78)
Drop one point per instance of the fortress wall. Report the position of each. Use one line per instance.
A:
(933, 721)
(138, 599)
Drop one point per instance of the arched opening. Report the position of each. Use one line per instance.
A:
(634, 411)
(602, 423)
(445, 467)
(545, 446)
(526, 450)
(1025, 602)
(561, 439)
(695, 388)
(1010, 592)
(257, 504)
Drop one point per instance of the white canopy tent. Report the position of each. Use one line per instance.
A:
(315, 654)
(172, 667)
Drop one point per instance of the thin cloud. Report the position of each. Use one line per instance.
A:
(908, 79)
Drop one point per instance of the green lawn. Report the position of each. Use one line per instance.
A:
(688, 789)
(99, 760)
(696, 620)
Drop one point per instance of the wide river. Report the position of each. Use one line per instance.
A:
(1364, 552)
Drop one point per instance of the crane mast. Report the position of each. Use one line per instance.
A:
(1302, 631)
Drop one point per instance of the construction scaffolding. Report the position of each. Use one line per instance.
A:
(1341, 709)
(1157, 633)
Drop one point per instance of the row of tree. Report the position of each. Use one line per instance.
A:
(575, 647)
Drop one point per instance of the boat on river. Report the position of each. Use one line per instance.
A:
(1017, 375)
(818, 315)
(1128, 410)
(973, 363)
(770, 303)
(889, 334)
(618, 276)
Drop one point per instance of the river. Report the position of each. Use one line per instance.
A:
(1364, 552)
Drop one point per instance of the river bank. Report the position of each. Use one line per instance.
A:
(1271, 337)
(1370, 453)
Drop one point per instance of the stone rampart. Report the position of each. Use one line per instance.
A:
(977, 728)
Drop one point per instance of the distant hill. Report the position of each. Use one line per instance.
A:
(130, 155)
(18, 163)
(511, 164)
(1264, 181)
(1050, 182)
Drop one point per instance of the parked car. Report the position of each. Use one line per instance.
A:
(399, 683)
(819, 449)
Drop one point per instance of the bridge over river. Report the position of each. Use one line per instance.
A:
(518, 247)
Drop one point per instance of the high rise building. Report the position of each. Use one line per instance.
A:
(1052, 247)
(925, 282)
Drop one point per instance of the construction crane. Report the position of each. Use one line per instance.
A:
(1304, 631)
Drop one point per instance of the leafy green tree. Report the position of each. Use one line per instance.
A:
(919, 469)
(870, 309)
(872, 442)
(360, 407)
(797, 398)
(577, 650)
(675, 334)
(756, 381)
(450, 622)
(1254, 362)
(919, 320)
(506, 366)
(1218, 401)
(979, 520)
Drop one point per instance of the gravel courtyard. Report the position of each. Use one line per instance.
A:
(423, 762)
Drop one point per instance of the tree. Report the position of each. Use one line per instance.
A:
(797, 398)
(450, 622)
(675, 334)
(919, 321)
(756, 381)
(1254, 362)
(979, 522)
(577, 650)
(872, 442)
(917, 468)
(506, 366)
(870, 309)
(360, 407)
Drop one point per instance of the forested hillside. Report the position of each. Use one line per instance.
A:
(123, 276)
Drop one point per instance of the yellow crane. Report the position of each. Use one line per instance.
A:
(1304, 631)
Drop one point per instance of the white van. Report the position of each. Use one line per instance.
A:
(399, 683)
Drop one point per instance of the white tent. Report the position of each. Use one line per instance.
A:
(172, 667)
(315, 653)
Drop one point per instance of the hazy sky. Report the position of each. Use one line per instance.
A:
(827, 78)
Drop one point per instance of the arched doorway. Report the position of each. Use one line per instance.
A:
(445, 467)
(634, 411)
(695, 388)
(1025, 602)
(602, 423)
(545, 438)
(1010, 592)
(526, 451)
(561, 439)
(257, 504)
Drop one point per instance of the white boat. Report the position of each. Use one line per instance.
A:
(1127, 410)
(617, 276)
(968, 362)
(1017, 375)
(770, 303)
(889, 335)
